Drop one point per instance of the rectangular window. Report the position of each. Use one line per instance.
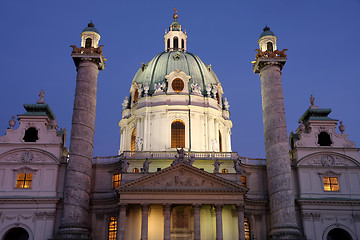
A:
(116, 180)
(243, 181)
(247, 229)
(23, 180)
(331, 184)
(112, 228)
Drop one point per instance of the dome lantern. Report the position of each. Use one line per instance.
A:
(175, 39)
(267, 40)
(90, 36)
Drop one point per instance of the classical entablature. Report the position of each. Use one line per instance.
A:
(328, 159)
(28, 156)
(181, 184)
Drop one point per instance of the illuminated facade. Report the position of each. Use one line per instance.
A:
(176, 176)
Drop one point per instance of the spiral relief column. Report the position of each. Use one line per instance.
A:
(88, 61)
(269, 62)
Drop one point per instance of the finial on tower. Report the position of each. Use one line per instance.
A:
(91, 24)
(175, 14)
(41, 96)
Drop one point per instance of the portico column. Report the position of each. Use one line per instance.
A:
(167, 218)
(219, 228)
(144, 221)
(122, 222)
(197, 232)
(240, 213)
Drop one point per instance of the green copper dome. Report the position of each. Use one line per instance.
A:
(164, 63)
(267, 32)
(91, 28)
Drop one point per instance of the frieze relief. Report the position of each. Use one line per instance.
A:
(327, 160)
(27, 157)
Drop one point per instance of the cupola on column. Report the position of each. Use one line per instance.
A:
(269, 63)
(88, 60)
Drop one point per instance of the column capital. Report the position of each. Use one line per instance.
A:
(240, 207)
(196, 208)
(145, 208)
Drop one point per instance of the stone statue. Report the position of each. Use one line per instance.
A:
(237, 166)
(125, 103)
(139, 144)
(226, 104)
(41, 95)
(208, 90)
(195, 88)
(301, 127)
(12, 122)
(217, 164)
(191, 160)
(341, 127)
(146, 165)
(180, 158)
(312, 100)
(124, 165)
(146, 89)
(214, 91)
(159, 87)
(140, 89)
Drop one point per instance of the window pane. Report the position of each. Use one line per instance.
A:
(177, 134)
(21, 176)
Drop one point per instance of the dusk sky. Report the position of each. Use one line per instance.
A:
(323, 58)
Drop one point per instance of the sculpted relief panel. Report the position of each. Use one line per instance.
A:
(327, 160)
(27, 156)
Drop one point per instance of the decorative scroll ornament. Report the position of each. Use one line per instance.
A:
(159, 87)
(26, 157)
(328, 161)
(125, 103)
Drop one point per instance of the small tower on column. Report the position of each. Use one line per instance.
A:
(269, 63)
(88, 60)
(175, 39)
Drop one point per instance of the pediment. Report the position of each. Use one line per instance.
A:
(328, 159)
(182, 177)
(28, 156)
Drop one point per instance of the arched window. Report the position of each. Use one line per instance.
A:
(224, 170)
(324, 139)
(269, 46)
(220, 142)
(182, 44)
(16, 233)
(338, 233)
(176, 43)
(88, 42)
(136, 96)
(135, 170)
(112, 228)
(177, 134)
(177, 85)
(31, 135)
(168, 44)
(133, 140)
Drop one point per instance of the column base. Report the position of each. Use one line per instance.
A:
(286, 234)
(72, 234)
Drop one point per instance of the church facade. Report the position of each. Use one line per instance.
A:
(176, 176)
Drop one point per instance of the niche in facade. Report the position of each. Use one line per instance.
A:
(88, 42)
(324, 139)
(31, 135)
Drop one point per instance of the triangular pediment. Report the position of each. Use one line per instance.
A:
(182, 177)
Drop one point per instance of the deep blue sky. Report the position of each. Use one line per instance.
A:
(323, 57)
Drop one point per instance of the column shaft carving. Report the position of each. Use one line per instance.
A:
(167, 220)
(78, 173)
(282, 210)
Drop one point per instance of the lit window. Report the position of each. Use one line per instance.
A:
(136, 96)
(177, 134)
(23, 180)
(177, 85)
(247, 229)
(112, 228)
(224, 170)
(133, 140)
(243, 181)
(135, 170)
(331, 184)
(116, 180)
